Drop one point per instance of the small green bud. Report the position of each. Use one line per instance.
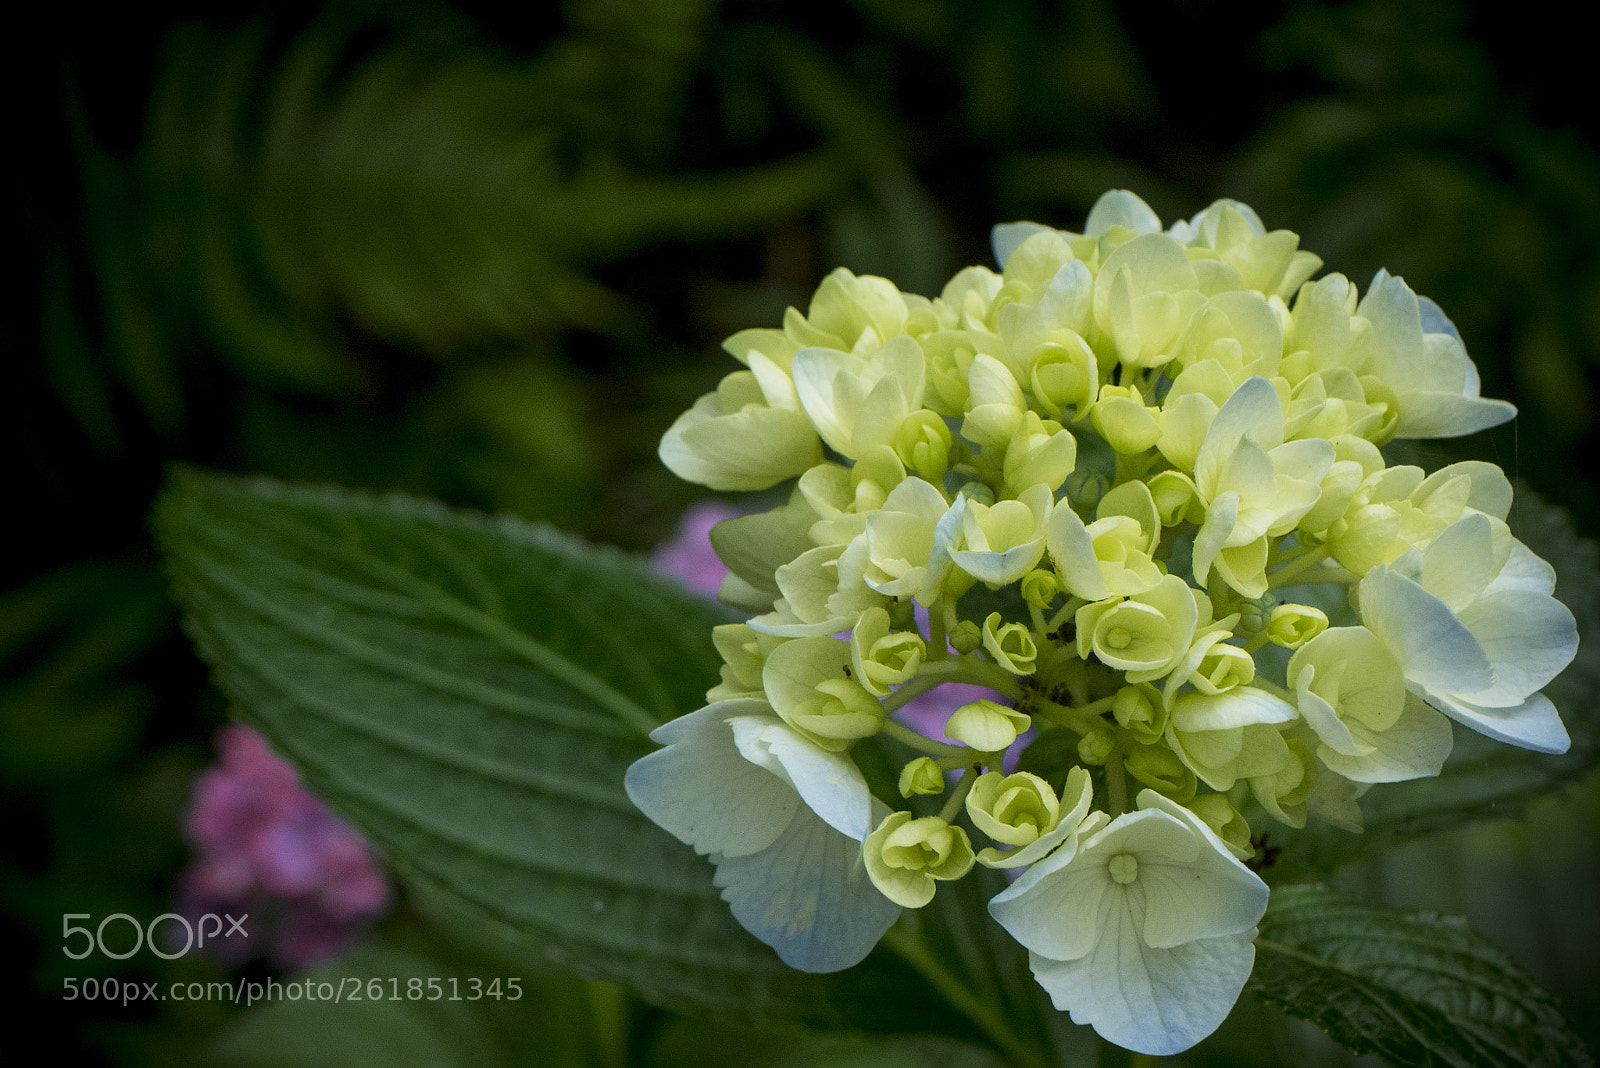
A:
(1123, 419)
(1225, 821)
(1160, 769)
(1013, 809)
(880, 657)
(978, 493)
(1176, 498)
(906, 855)
(1096, 747)
(1010, 644)
(1255, 615)
(1292, 625)
(1085, 487)
(1139, 709)
(966, 637)
(986, 726)
(1222, 668)
(922, 442)
(921, 776)
(1040, 588)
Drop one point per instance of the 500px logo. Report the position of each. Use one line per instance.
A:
(194, 935)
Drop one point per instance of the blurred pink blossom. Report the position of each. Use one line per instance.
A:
(689, 556)
(266, 847)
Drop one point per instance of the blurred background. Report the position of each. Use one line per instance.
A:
(489, 256)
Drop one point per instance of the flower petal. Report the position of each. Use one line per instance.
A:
(807, 896)
(703, 792)
(1153, 1001)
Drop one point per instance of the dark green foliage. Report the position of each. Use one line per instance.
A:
(1416, 989)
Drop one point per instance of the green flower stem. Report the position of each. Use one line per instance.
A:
(958, 796)
(1080, 719)
(1039, 629)
(1066, 612)
(1116, 785)
(1291, 573)
(1110, 1055)
(914, 951)
(1261, 638)
(1131, 467)
(927, 745)
(911, 690)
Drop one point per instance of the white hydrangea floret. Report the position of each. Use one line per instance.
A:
(1145, 931)
(782, 820)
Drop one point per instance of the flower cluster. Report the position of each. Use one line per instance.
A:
(1133, 483)
(267, 848)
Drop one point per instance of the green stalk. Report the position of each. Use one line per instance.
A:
(914, 951)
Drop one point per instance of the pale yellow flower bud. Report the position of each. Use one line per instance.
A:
(906, 855)
(1292, 625)
(921, 776)
(986, 726)
(1010, 644)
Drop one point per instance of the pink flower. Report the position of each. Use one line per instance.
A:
(265, 847)
(689, 556)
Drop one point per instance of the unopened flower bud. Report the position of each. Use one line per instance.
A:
(1010, 644)
(882, 658)
(922, 442)
(1139, 710)
(1124, 421)
(1160, 769)
(1254, 615)
(1225, 821)
(966, 637)
(906, 855)
(1292, 625)
(1176, 498)
(1040, 588)
(1222, 668)
(921, 776)
(1085, 487)
(986, 726)
(1096, 747)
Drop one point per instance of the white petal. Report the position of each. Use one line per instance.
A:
(1528, 637)
(1118, 207)
(1254, 409)
(1053, 907)
(999, 569)
(1524, 570)
(1238, 707)
(829, 783)
(1434, 648)
(1414, 747)
(808, 896)
(703, 792)
(1459, 564)
(1449, 415)
(1534, 724)
(1153, 1001)
(1005, 237)
(1208, 896)
(1072, 550)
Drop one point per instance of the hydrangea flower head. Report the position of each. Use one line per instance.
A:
(1124, 501)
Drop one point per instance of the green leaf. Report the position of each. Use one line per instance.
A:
(1483, 779)
(1413, 988)
(469, 691)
